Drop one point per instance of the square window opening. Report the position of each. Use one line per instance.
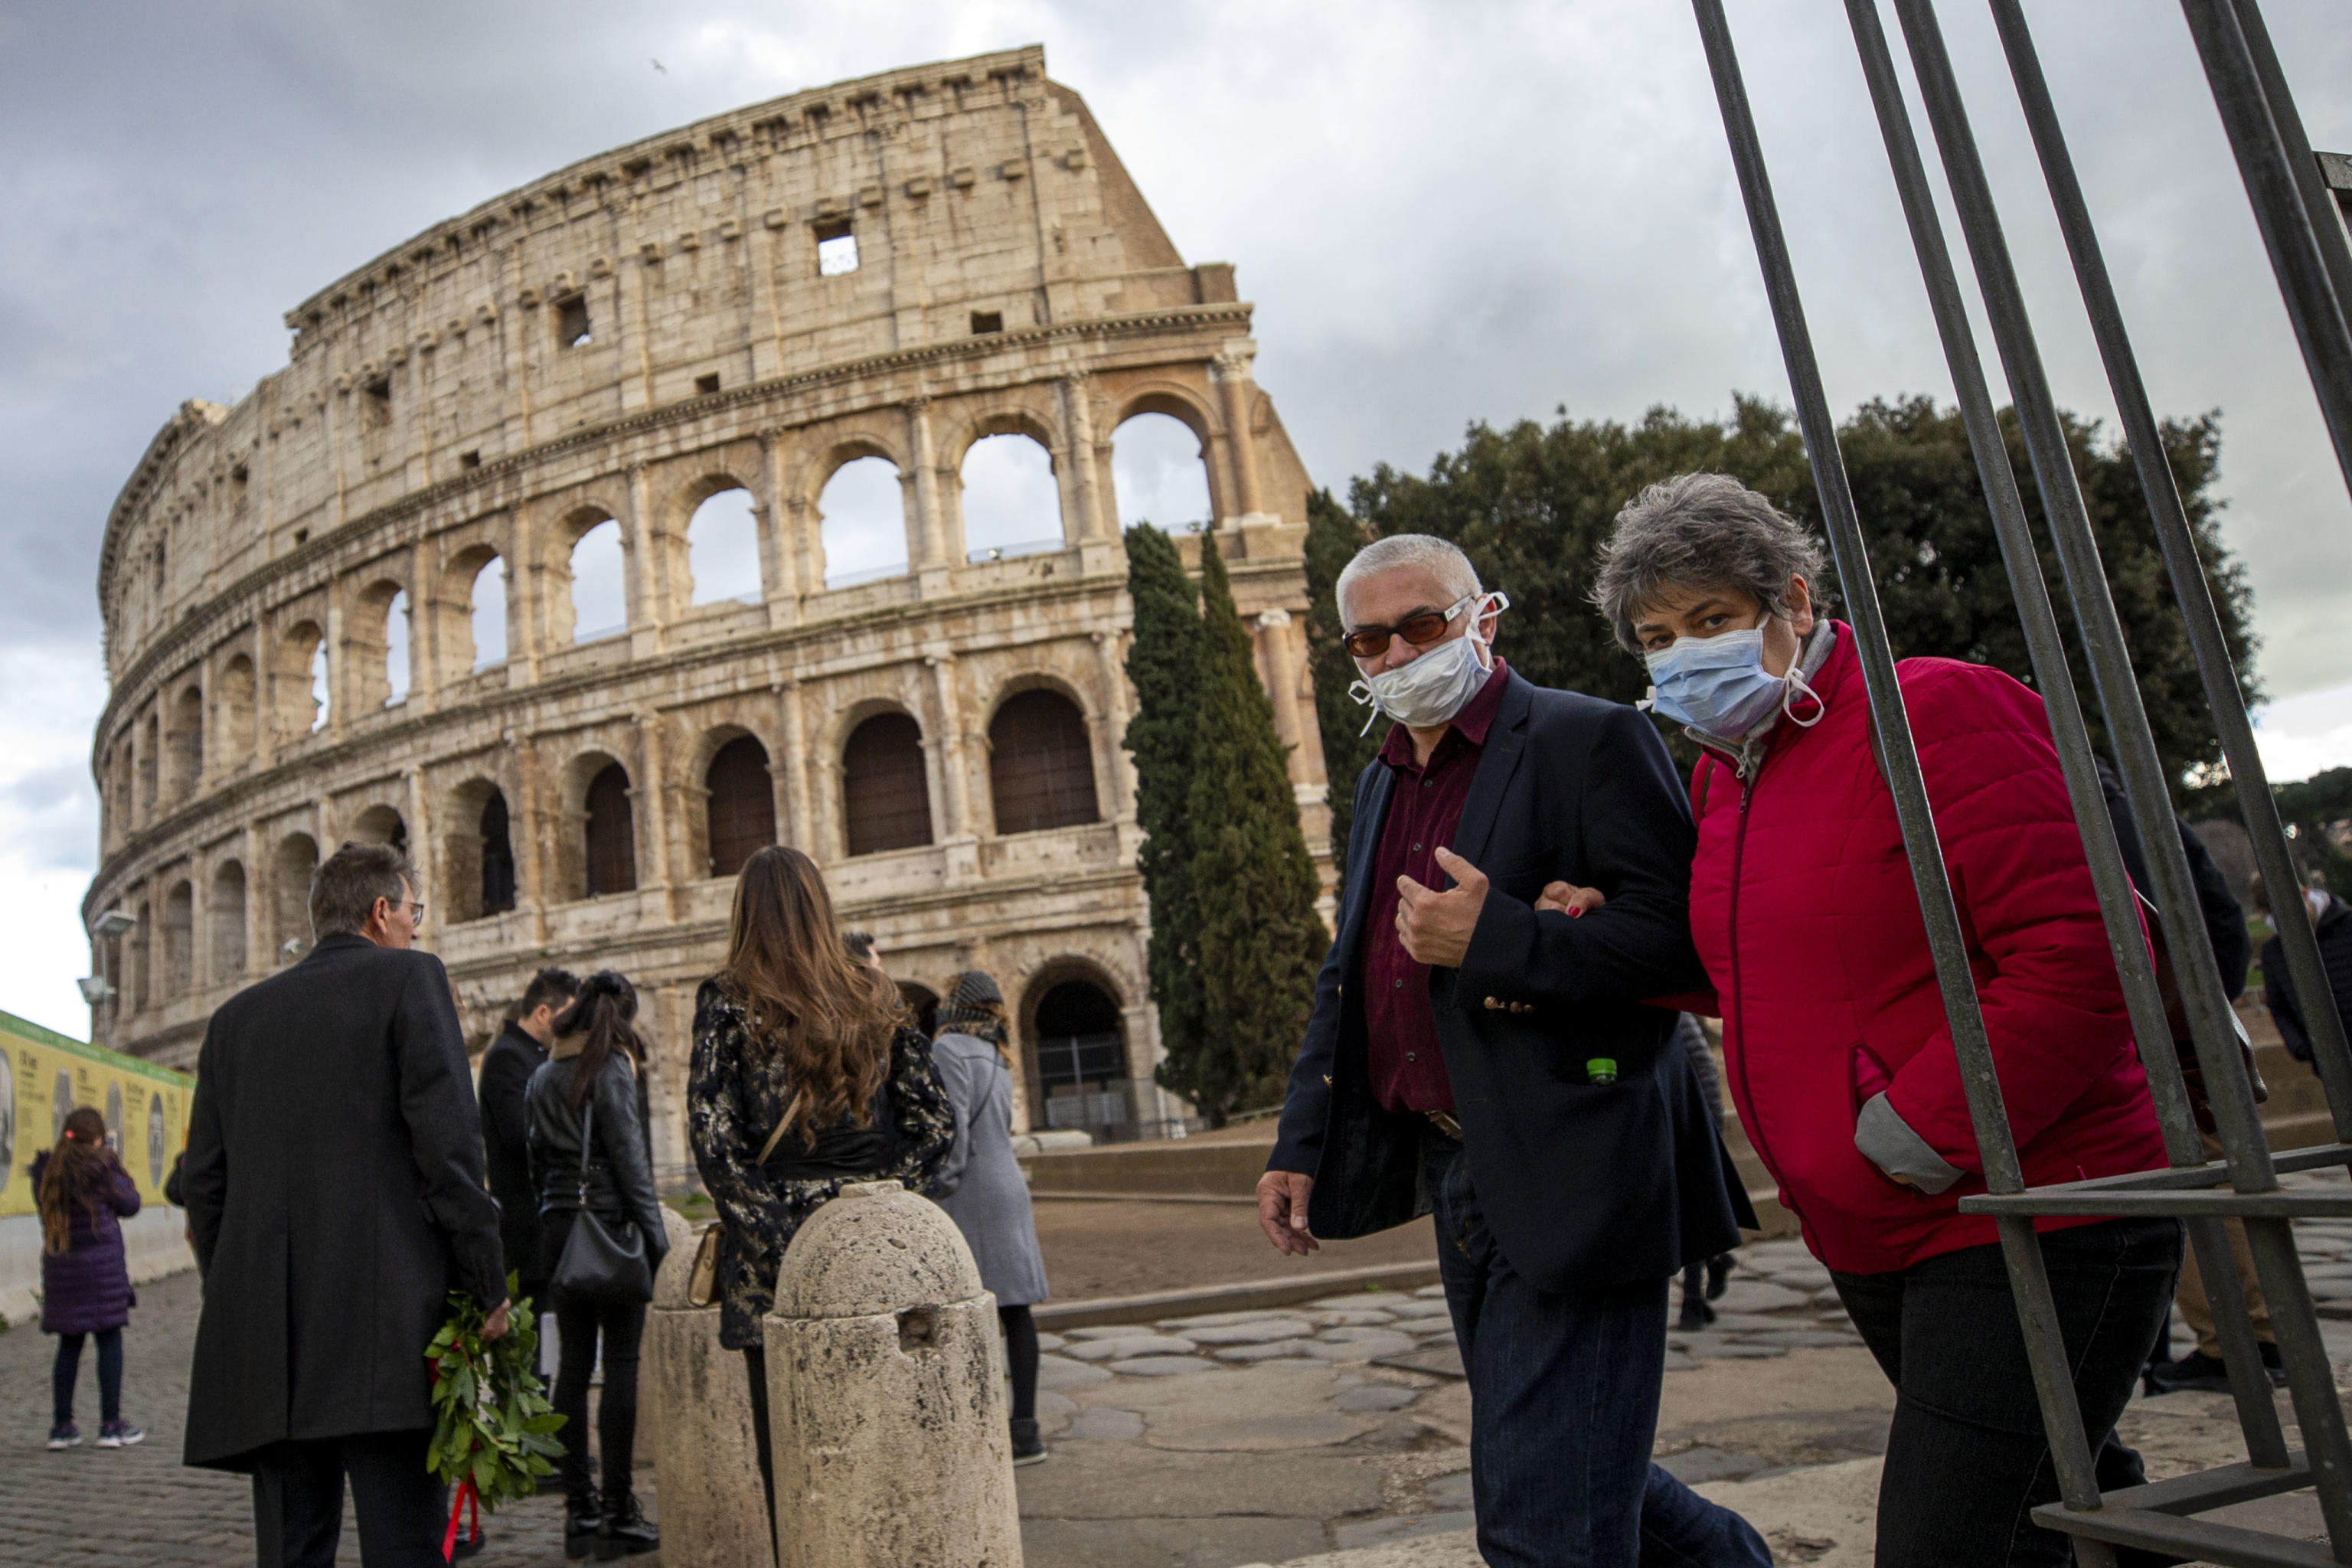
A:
(704, 385)
(985, 321)
(837, 247)
(238, 475)
(302, 536)
(375, 409)
(469, 460)
(572, 321)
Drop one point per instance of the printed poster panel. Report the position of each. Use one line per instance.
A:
(44, 1076)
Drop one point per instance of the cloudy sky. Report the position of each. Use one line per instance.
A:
(1443, 213)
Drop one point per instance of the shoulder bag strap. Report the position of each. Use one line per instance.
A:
(587, 1140)
(782, 1123)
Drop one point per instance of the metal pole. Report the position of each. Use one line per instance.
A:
(2286, 225)
(2309, 1374)
(2186, 567)
(2266, 1445)
(2318, 205)
(2029, 1279)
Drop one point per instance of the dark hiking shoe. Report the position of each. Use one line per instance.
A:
(466, 1546)
(1697, 1315)
(2206, 1375)
(120, 1434)
(65, 1434)
(1719, 1275)
(626, 1532)
(1028, 1449)
(582, 1513)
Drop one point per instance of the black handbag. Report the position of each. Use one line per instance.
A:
(598, 1263)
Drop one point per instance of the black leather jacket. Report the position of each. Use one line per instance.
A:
(620, 1175)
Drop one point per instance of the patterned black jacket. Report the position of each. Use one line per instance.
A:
(735, 1094)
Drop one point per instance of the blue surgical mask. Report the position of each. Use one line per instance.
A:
(1718, 685)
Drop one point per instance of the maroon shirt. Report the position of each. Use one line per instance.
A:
(1408, 1070)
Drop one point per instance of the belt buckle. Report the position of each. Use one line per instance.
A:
(1445, 1123)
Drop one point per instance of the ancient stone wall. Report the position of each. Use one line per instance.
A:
(466, 420)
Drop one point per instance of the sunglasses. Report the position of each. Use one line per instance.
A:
(1421, 630)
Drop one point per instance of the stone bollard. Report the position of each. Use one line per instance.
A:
(885, 1394)
(698, 1412)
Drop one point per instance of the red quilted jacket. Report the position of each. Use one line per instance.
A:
(1803, 913)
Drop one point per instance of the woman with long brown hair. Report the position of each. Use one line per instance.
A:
(806, 1078)
(84, 1195)
(584, 1109)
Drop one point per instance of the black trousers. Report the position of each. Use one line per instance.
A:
(298, 1501)
(1967, 1461)
(580, 1326)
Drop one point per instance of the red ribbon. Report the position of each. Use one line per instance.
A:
(466, 1495)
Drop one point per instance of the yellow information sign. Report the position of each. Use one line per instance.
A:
(44, 1075)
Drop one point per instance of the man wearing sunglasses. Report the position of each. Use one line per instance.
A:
(1473, 1055)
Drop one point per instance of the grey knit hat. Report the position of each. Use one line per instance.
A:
(974, 1006)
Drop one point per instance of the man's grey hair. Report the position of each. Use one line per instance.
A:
(1703, 530)
(1441, 558)
(344, 889)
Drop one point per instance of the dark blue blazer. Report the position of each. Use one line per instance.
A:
(1583, 1185)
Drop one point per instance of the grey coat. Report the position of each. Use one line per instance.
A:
(981, 1187)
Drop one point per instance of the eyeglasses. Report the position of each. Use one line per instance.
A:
(416, 910)
(1421, 630)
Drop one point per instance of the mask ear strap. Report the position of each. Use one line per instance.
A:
(1798, 688)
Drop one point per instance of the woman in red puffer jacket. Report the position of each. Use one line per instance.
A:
(1837, 1050)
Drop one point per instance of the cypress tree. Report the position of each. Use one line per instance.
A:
(1332, 540)
(1163, 662)
(1253, 883)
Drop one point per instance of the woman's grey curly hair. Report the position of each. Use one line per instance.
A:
(1703, 530)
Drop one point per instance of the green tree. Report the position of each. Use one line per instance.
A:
(1531, 506)
(1253, 883)
(1163, 662)
(1332, 537)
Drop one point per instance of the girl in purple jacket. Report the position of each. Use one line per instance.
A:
(85, 1196)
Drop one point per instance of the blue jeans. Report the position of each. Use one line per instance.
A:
(1564, 1408)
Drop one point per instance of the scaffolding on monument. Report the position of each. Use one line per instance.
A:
(2295, 210)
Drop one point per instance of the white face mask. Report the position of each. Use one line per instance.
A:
(1440, 683)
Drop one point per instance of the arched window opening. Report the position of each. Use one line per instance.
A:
(487, 610)
(1081, 1060)
(187, 742)
(612, 834)
(742, 804)
(1011, 503)
(497, 856)
(1156, 465)
(600, 606)
(722, 549)
(1041, 767)
(380, 825)
(142, 955)
(233, 713)
(395, 650)
(887, 797)
(228, 916)
(179, 939)
(923, 1005)
(297, 862)
(150, 769)
(321, 694)
(861, 523)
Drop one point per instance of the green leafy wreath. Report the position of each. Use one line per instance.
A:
(494, 1432)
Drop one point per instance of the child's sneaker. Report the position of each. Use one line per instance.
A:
(65, 1434)
(120, 1434)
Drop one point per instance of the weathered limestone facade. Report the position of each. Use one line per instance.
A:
(621, 340)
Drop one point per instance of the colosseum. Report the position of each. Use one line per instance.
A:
(756, 481)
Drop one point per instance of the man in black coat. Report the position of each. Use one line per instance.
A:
(507, 1067)
(1472, 1055)
(2332, 924)
(334, 1184)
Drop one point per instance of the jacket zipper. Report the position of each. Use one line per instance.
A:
(1739, 994)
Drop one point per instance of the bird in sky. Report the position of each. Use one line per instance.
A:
(661, 68)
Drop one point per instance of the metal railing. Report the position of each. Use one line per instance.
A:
(2293, 209)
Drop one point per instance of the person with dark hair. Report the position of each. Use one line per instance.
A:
(84, 1194)
(806, 1078)
(335, 1189)
(981, 1187)
(588, 1151)
(507, 1066)
(859, 945)
(2331, 921)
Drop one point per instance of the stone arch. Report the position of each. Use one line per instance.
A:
(716, 522)
(885, 789)
(150, 766)
(739, 793)
(380, 824)
(1041, 762)
(1073, 1048)
(294, 863)
(142, 959)
(1008, 488)
(478, 593)
(854, 509)
(185, 737)
(233, 712)
(224, 913)
(179, 939)
(599, 857)
(1154, 479)
(305, 690)
(585, 592)
(376, 643)
(1189, 406)
(478, 854)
